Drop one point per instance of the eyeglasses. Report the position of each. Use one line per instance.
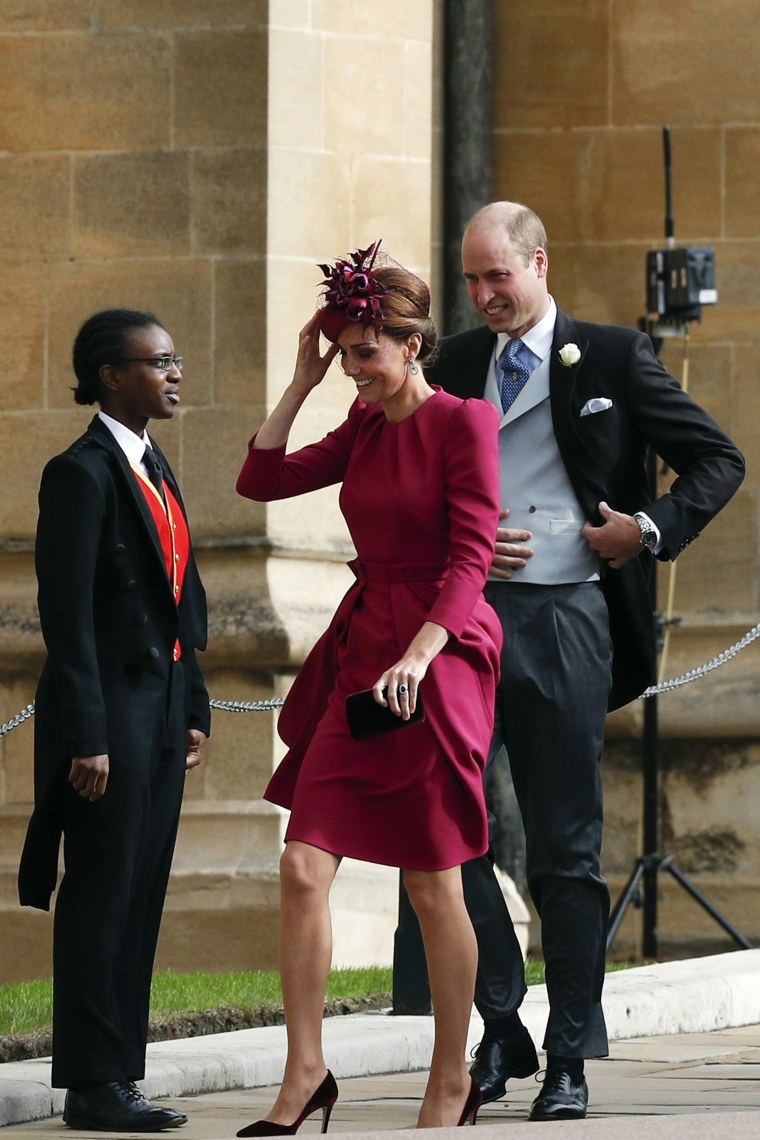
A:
(163, 363)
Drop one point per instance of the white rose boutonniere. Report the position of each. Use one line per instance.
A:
(569, 354)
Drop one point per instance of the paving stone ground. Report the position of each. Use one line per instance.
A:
(703, 1086)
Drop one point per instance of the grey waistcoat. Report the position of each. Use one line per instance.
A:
(537, 490)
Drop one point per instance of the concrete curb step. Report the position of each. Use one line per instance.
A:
(691, 996)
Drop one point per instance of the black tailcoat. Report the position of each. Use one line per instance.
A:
(551, 700)
(604, 455)
(109, 685)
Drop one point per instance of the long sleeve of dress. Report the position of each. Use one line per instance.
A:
(269, 473)
(472, 489)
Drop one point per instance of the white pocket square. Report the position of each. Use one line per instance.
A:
(598, 404)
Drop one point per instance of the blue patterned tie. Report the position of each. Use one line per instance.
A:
(513, 373)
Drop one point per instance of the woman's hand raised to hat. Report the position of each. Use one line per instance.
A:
(310, 371)
(311, 366)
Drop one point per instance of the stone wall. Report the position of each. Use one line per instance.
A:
(199, 159)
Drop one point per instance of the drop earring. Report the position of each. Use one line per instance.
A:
(412, 366)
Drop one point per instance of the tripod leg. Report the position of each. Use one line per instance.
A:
(688, 886)
(625, 900)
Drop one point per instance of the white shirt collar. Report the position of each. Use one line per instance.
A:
(537, 339)
(132, 445)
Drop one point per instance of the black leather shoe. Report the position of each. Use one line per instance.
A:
(118, 1106)
(561, 1098)
(496, 1062)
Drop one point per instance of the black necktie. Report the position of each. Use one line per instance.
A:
(155, 474)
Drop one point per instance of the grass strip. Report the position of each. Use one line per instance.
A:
(189, 1005)
(27, 1007)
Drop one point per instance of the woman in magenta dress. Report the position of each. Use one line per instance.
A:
(418, 470)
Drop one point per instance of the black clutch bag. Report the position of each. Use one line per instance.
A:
(366, 718)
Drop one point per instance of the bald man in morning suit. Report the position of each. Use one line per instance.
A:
(579, 403)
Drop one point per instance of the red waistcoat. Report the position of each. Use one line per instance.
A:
(173, 536)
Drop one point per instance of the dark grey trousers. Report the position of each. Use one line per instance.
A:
(550, 714)
(551, 708)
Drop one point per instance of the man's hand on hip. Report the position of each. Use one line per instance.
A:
(617, 540)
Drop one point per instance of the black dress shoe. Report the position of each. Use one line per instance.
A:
(118, 1106)
(561, 1098)
(496, 1062)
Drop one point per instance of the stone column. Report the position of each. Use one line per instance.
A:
(199, 163)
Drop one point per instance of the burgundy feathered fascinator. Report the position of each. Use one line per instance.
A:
(352, 293)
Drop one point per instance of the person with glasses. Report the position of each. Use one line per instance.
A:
(121, 714)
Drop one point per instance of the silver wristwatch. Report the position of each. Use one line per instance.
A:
(647, 533)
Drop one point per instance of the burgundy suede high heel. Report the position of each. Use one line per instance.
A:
(471, 1105)
(324, 1098)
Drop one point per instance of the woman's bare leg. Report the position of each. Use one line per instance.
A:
(306, 875)
(452, 958)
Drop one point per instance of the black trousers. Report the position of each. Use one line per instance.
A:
(551, 707)
(117, 858)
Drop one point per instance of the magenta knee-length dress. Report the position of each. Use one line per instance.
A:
(421, 500)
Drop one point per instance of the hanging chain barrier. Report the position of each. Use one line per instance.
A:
(268, 705)
(702, 670)
(16, 720)
(272, 703)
